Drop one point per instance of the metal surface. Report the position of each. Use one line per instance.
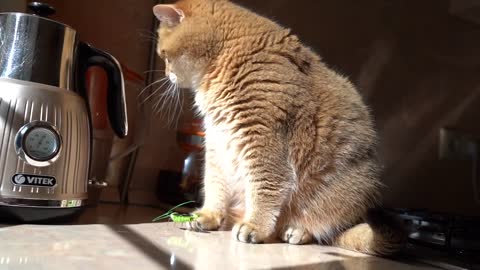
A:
(42, 203)
(24, 102)
(37, 49)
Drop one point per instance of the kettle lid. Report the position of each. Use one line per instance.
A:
(36, 48)
(41, 9)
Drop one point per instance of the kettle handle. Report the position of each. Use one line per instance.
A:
(116, 103)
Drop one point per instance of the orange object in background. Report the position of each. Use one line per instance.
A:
(131, 75)
(97, 91)
(190, 136)
(191, 140)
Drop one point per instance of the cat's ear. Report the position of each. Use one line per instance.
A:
(168, 14)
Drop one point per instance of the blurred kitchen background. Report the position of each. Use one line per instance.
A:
(417, 63)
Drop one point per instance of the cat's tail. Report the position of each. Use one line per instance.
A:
(380, 235)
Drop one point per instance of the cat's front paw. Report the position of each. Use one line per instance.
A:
(207, 221)
(250, 233)
(296, 235)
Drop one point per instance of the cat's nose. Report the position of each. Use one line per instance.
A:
(172, 77)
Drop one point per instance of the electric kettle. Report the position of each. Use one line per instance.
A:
(45, 121)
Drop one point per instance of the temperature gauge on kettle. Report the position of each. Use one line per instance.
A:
(41, 143)
(38, 143)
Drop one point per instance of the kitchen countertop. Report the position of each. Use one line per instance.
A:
(164, 246)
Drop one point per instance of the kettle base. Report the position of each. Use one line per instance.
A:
(39, 215)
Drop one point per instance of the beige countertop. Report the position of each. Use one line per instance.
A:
(164, 246)
(113, 236)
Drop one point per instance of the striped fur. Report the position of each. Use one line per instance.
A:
(290, 145)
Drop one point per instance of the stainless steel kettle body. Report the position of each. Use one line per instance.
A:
(45, 124)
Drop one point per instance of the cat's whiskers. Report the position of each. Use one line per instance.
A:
(154, 70)
(148, 35)
(178, 105)
(160, 100)
(169, 103)
(164, 80)
(169, 95)
(147, 32)
(154, 92)
(179, 102)
(176, 110)
(176, 113)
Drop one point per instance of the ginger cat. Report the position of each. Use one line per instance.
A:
(290, 145)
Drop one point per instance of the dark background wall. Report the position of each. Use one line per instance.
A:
(12, 5)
